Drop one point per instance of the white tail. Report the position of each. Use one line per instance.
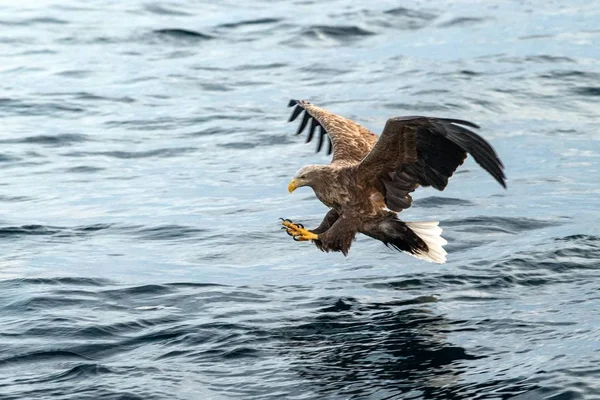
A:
(430, 233)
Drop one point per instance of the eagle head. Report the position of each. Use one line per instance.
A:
(306, 176)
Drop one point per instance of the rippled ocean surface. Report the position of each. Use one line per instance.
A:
(145, 156)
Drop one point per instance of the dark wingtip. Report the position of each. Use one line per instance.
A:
(503, 183)
(295, 113)
(496, 172)
(292, 103)
(320, 139)
(313, 125)
(499, 174)
(304, 121)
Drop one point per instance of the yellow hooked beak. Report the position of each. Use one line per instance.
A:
(293, 185)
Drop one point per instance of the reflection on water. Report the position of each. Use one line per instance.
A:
(378, 349)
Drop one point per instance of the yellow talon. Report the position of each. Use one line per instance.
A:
(299, 234)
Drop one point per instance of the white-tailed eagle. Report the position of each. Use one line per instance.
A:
(370, 178)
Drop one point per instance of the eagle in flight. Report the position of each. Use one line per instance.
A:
(370, 178)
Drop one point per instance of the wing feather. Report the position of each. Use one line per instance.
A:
(348, 141)
(475, 145)
(302, 125)
(320, 139)
(423, 151)
(295, 113)
(313, 125)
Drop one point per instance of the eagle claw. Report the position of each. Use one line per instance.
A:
(297, 231)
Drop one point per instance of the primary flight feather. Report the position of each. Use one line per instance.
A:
(370, 178)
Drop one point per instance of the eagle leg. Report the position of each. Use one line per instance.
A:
(297, 231)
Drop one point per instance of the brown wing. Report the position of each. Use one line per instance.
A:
(349, 141)
(424, 151)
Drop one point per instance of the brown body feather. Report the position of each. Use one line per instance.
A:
(371, 178)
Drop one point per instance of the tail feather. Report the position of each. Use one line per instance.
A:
(430, 233)
(422, 240)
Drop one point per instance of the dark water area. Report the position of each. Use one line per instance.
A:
(145, 157)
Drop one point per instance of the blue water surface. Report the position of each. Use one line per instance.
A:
(145, 157)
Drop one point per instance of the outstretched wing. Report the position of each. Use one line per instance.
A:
(424, 151)
(349, 141)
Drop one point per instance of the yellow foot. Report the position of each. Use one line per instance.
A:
(297, 231)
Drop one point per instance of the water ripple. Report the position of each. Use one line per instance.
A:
(65, 139)
(45, 230)
(343, 33)
(170, 152)
(181, 35)
(259, 21)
